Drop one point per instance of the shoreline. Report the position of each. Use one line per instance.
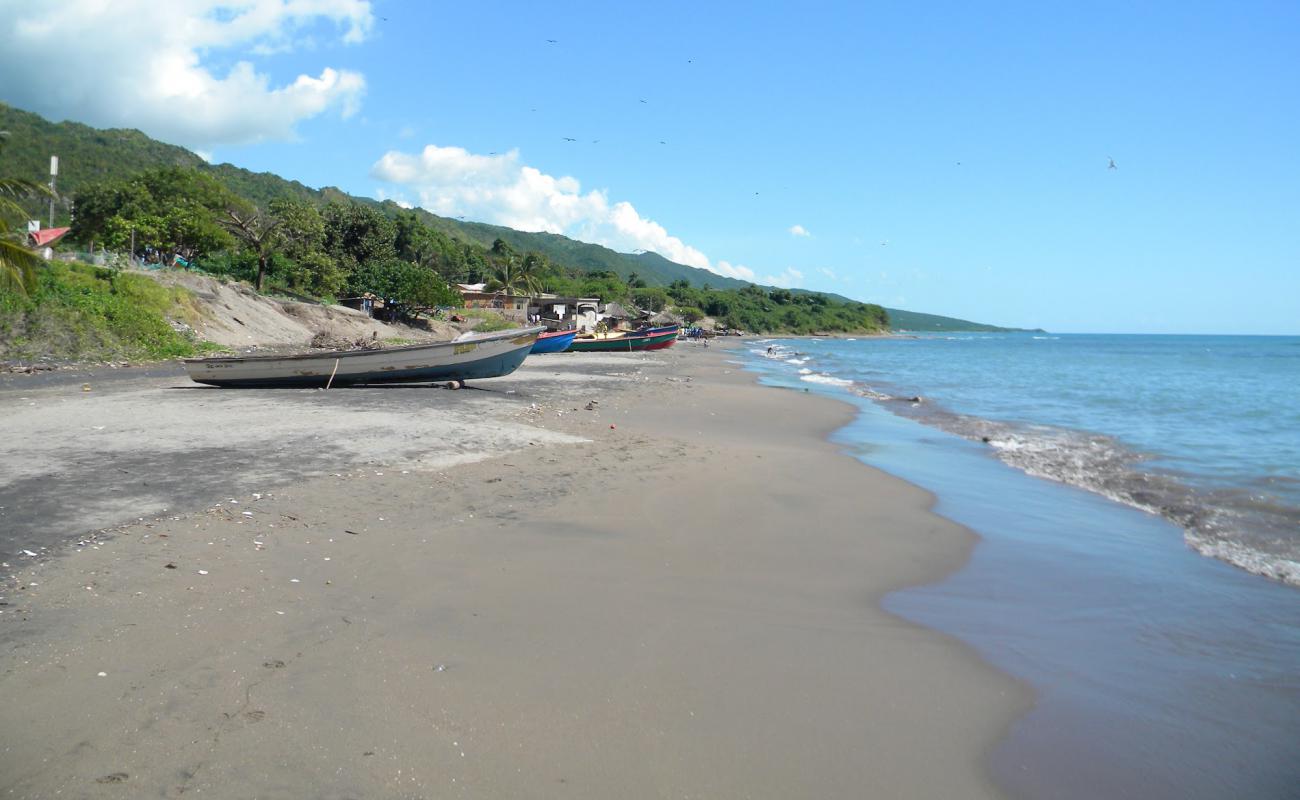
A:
(640, 603)
(1092, 602)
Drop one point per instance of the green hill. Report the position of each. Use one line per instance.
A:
(88, 155)
(914, 321)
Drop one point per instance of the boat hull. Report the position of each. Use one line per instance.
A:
(556, 342)
(624, 344)
(484, 356)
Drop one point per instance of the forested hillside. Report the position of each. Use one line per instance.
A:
(464, 251)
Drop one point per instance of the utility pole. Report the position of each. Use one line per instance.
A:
(54, 173)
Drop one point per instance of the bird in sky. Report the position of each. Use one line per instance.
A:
(643, 100)
(882, 244)
(661, 141)
(553, 41)
(1112, 163)
(569, 139)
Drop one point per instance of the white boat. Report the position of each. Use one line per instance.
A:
(473, 356)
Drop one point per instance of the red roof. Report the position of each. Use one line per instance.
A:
(46, 236)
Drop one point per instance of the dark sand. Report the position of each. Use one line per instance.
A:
(684, 605)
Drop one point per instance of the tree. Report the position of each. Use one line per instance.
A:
(407, 287)
(17, 263)
(302, 232)
(356, 234)
(259, 235)
(653, 298)
(513, 277)
(171, 211)
(690, 313)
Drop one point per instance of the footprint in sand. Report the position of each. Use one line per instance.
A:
(276, 664)
(256, 715)
(116, 777)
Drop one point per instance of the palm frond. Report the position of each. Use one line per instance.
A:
(17, 267)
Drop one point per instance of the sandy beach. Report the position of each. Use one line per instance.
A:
(606, 575)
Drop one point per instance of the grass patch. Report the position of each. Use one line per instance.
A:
(490, 320)
(80, 312)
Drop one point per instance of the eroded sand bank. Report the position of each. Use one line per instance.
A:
(525, 603)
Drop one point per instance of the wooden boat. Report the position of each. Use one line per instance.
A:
(553, 341)
(481, 355)
(652, 339)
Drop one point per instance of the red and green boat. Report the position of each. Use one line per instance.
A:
(652, 339)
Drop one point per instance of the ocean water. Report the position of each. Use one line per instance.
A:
(1136, 505)
(1203, 430)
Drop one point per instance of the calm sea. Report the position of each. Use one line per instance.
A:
(1138, 503)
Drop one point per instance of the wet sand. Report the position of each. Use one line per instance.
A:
(496, 593)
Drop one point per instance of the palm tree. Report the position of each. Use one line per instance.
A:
(513, 277)
(18, 264)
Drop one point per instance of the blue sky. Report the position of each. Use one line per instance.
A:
(943, 157)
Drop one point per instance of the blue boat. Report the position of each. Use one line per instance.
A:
(553, 342)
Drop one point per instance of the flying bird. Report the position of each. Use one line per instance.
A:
(661, 141)
(553, 41)
(643, 100)
(569, 139)
(1112, 163)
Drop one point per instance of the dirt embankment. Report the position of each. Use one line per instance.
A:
(235, 316)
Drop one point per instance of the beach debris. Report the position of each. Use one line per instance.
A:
(455, 384)
(115, 777)
(591, 406)
(611, 427)
(273, 664)
(169, 565)
(440, 668)
(29, 553)
(85, 387)
(354, 533)
(246, 513)
(203, 572)
(103, 674)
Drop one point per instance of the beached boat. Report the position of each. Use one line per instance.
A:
(553, 341)
(652, 339)
(481, 355)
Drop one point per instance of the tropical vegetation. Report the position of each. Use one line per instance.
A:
(287, 238)
(18, 264)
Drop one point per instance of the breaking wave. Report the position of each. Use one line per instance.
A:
(1250, 528)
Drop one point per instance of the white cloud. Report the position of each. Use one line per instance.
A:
(148, 65)
(454, 182)
(799, 230)
(830, 273)
(789, 278)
